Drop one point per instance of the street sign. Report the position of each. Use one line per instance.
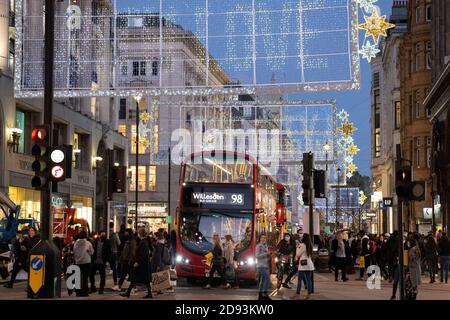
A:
(37, 272)
(387, 202)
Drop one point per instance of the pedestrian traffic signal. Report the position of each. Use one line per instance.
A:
(60, 163)
(40, 149)
(403, 181)
(319, 184)
(307, 162)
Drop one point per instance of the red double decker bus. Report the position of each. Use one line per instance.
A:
(224, 193)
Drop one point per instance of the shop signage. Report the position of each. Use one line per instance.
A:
(370, 214)
(427, 213)
(387, 202)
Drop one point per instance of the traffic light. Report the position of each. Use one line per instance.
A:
(40, 149)
(319, 184)
(60, 163)
(307, 162)
(403, 181)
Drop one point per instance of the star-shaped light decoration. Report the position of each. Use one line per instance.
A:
(347, 128)
(349, 175)
(375, 26)
(353, 149)
(349, 159)
(369, 51)
(351, 168)
(343, 115)
(350, 140)
(145, 117)
(367, 5)
(144, 143)
(362, 198)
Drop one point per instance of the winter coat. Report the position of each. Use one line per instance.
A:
(262, 255)
(142, 273)
(414, 262)
(128, 251)
(82, 251)
(302, 254)
(20, 255)
(444, 247)
(106, 250)
(285, 248)
(32, 242)
(365, 247)
(217, 255)
(229, 253)
(157, 259)
(431, 249)
(334, 249)
(392, 248)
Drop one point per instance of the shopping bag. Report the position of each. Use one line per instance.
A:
(161, 280)
(173, 274)
(10, 266)
(22, 275)
(405, 257)
(361, 262)
(209, 256)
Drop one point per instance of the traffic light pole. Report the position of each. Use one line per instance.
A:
(48, 108)
(400, 254)
(311, 207)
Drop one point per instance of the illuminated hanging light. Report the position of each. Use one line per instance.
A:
(369, 51)
(347, 128)
(367, 5)
(375, 26)
(353, 149)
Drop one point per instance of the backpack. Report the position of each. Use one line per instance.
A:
(166, 256)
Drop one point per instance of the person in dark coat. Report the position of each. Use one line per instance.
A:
(20, 250)
(102, 254)
(286, 247)
(342, 256)
(392, 254)
(431, 256)
(365, 253)
(444, 256)
(157, 259)
(33, 238)
(126, 258)
(141, 271)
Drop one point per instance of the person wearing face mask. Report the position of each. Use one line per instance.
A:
(286, 247)
(102, 254)
(342, 256)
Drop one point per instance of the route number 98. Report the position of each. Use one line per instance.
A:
(237, 198)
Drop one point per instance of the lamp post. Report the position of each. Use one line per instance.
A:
(137, 98)
(326, 148)
(338, 197)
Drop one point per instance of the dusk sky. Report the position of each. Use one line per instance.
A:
(357, 103)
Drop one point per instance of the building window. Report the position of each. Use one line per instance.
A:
(141, 178)
(428, 56)
(156, 140)
(377, 143)
(417, 56)
(417, 103)
(142, 142)
(123, 109)
(143, 68)
(411, 108)
(247, 112)
(398, 111)
(429, 157)
(81, 151)
(152, 178)
(154, 68)
(122, 129)
(376, 80)
(376, 99)
(135, 68)
(418, 157)
(124, 69)
(418, 12)
(428, 12)
(135, 22)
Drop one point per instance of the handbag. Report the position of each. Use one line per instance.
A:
(361, 261)
(173, 274)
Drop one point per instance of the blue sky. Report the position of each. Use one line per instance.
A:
(357, 103)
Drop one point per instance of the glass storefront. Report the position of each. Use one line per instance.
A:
(29, 201)
(151, 215)
(83, 206)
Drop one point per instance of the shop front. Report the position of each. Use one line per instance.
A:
(29, 201)
(83, 209)
(151, 215)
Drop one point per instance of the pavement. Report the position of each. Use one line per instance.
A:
(325, 289)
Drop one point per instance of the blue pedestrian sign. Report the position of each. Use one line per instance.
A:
(36, 264)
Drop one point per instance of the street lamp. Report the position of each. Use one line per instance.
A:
(338, 196)
(326, 148)
(137, 98)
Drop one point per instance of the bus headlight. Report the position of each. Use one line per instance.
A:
(186, 261)
(179, 259)
(251, 261)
